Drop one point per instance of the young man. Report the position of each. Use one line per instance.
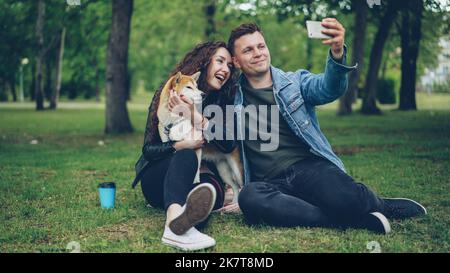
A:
(302, 182)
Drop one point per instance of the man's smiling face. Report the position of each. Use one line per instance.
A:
(251, 54)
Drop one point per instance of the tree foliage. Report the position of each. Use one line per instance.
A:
(163, 31)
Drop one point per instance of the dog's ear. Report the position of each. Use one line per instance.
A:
(178, 78)
(175, 80)
(196, 76)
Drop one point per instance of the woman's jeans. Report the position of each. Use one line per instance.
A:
(313, 192)
(170, 180)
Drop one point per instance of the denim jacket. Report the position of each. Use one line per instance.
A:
(296, 95)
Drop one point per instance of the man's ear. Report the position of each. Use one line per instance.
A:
(235, 62)
(196, 76)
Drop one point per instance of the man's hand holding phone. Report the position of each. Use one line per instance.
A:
(332, 31)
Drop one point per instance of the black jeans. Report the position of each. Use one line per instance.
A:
(313, 192)
(170, 180)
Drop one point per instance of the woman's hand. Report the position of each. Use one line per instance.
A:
(188, 144)
(182, 104)
(194, 141)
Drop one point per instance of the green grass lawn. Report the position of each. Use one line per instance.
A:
(48, 191)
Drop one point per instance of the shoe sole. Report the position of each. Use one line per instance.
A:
(187, 247)
(425, 212)
(199, 204)
(384, 221)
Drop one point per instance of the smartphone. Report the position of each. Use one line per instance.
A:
(315, 30)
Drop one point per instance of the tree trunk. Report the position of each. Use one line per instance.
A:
(346, 101)
(3, 92)
(39, 94)
(117, 119)
(32, 89)
(12, 85)
(129, 76)
(48, 86)
(384, 66)
(369, 101)
(410, 40)
(59, 62)
(97, 85)
(210, 11)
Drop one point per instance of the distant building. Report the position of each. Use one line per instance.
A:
(441, 74)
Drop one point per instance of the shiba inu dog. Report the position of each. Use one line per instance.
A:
(229, 167)
(175, 127)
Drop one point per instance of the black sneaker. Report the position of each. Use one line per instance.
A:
(199, 204)
(401, 208)
(376, 222)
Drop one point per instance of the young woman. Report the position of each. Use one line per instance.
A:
(167, 170)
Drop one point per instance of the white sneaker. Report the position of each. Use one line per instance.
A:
(199, 203)
(189, 241)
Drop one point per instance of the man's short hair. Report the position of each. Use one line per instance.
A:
(240, 31)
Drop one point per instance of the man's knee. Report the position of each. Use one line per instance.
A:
(250, 203)
(251, 197)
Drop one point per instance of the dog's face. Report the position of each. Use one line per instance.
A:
(187, 86)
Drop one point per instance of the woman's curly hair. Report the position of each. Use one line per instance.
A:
(196, 60)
